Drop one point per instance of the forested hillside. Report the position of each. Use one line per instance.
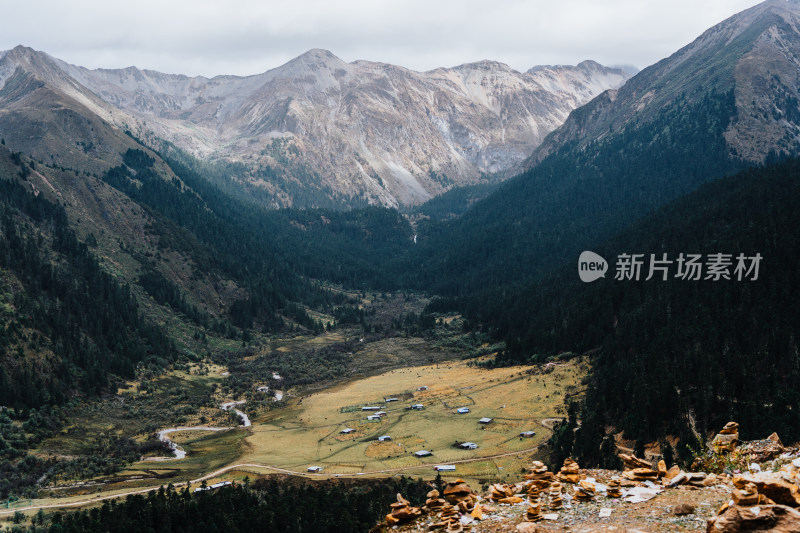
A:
(675, 353)
(66, 323)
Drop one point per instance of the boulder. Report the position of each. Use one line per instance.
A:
(774, 518)
(662, 468)
(640, 474)
(683, 509)
(527, 527)
(673, 471)
(773, 486)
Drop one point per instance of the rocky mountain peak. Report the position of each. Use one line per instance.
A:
(372, 130)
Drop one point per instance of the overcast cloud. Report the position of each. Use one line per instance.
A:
(248, 37)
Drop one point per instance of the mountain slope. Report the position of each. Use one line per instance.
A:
(661, 135)
(757, 53)
(674, 354)
(361, 129)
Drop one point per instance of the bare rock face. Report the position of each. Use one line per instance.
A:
(775, 518)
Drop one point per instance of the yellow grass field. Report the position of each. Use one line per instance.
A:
(516, 398)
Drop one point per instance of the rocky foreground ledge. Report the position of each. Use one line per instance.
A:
(759, 490)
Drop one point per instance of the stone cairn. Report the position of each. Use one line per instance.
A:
(570, 472)
(402, 512)
(614, 490)
(456, 492)
(727, 439)
(584, 491)
(534, 512)
(556, 502)
(434, 503)
(539, 475)
(449, 520)
(638, 469)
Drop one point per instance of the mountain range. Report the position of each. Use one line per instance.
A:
(364, 131)
(164, 182)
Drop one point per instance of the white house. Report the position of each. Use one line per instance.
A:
(422, 453)
(387, 400)
(485, 420)
(370, 408)
(418, 406)
(468, 446)
(373, 417)
(381, 413)
(346, 431)
(424, 387)
(384, 438)
(445, 468)
(527, 434)
(314, 469)
(462, 410)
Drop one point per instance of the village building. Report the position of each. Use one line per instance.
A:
(527, 434)
(422, 453)
(314, 469)
(485, 420)
(347, 431)
(384, 438)
(468, 446)
(462, 410)
(445, 468)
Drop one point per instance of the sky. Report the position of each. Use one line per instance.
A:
(241, 37)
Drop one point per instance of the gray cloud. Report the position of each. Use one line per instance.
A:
(250, 36)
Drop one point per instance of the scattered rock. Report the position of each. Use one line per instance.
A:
(774, 518)
(773, 486)
(640, 474)
(673, 471)
(631, 462)
(764, 450)
(527, 527)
